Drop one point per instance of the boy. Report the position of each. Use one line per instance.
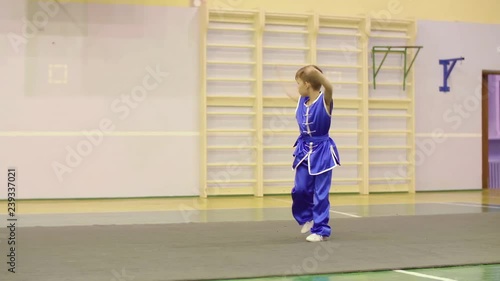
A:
(315, 154)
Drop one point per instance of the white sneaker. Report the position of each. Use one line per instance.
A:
(306, 227)
(315, 238)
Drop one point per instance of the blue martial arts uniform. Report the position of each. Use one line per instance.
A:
(315, 157)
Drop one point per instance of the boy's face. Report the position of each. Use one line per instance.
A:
(302, 87)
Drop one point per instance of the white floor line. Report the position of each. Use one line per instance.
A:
(473, 205)
(282, 200)
(424, 275)
(331, 211)
(345, 214)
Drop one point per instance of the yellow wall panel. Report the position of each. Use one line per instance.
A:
(483, 11)
(171, 3)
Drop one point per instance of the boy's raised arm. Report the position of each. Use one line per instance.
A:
(294, 96)
(328, 96)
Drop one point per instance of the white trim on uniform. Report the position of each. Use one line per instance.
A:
(326, 107)
(324, 171)
(308, 156)
(336, 159)
(317, 98)
(298, 103)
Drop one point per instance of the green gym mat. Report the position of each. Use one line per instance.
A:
(230, 250)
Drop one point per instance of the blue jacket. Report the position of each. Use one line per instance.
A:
(314, 144)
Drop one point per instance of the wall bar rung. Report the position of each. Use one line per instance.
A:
(298, 65)
(340, 25)
(284, 22)
(347, 103)
(290, 16)
(339, 34)
(389, 84)
(339, 50)
(231, 79)
(231, 113)
(230, 101)
(230, 46)
(275, 114)
(286, 48)
(390, 179)
(230, 181)
(280, 131)
(389, 103)
(229, 11)
(230, 147)
(228, 20)
(278, 164)
(232, 164)
(279, 80)
(286, 31)
(390, 37)
(230, 131)
(229, 28)
(388, 68)
(232, 62)
(340, 19)
(341, 66)
(386, 28)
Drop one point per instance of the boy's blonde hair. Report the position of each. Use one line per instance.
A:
(306, 77)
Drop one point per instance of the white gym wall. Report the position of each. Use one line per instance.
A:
(130, 72)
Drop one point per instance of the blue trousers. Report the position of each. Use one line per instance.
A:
(310, 197)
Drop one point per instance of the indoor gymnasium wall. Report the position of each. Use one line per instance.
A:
(449, 124)
(145, 152)
(126, 74)
(481, 11)
(448, 151)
